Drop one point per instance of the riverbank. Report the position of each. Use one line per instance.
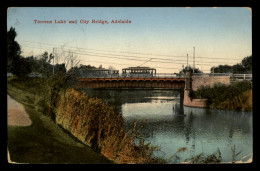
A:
(44, 141)
(104, 134)
(237, 96)
(98, 125)
(40, 136)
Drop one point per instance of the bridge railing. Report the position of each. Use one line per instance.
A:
(242, 76)
(157, 75)
(169, 75)
(213, 74)
(232, 76)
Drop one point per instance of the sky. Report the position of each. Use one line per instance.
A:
(165, 38)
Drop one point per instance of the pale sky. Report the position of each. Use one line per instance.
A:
(166, 34)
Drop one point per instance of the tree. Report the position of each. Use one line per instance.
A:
(238, 69)
(44, 64)
(21, 67)
(244, 67)
(221, 69)
(13, 52)
(61, 79)
(196, 70)
(247, 64)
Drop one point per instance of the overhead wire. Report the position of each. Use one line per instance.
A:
(89, 52)
(85, 49)
(136, 59)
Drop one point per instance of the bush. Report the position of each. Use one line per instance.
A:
(221, 96)
(96, 124)
(242, 102)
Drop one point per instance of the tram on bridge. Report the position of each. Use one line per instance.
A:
(131, 72)
(100, 73)
(140, 72)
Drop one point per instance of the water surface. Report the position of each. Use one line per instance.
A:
(170, 126)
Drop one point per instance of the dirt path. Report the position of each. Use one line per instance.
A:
(17, 116)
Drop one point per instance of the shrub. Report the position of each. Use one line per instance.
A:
(242, 102)
(96, 124)
(221, 96)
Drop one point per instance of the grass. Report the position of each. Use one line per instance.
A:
(201, 158)
(43, 141)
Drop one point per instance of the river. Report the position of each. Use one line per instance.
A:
(171, 126)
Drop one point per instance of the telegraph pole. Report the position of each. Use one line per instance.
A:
(187, 61)
(193, 59)
(53, 62)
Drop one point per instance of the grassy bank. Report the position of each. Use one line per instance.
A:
(236, 96)
(97, 124)
(84, 130)
(43, 141)
(85, 121)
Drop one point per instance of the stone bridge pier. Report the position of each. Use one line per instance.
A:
(187, 99)
(194, 81)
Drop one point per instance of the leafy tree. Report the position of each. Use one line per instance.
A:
(13, 52)
(247, 64)
(244, 67)
(45, 66)
(80, 71)
(196, 70)
(60, 68)
(238, 69)
(221, 69)
(20, 67)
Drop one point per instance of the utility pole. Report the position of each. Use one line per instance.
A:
(193, 59)
(53, 62)
(187, 61)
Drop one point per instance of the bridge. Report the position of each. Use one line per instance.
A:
(184, 83)
(132, 83)
(161, 81)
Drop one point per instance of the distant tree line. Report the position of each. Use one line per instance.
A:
(245, 67)
(20, 66)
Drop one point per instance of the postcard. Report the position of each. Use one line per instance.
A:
(129, 85)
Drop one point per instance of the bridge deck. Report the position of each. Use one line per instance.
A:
(131, 79)
(132, 82)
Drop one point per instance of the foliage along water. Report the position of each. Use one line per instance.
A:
(170, 125)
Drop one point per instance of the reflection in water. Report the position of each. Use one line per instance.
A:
(171, 126)
(177, 109)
